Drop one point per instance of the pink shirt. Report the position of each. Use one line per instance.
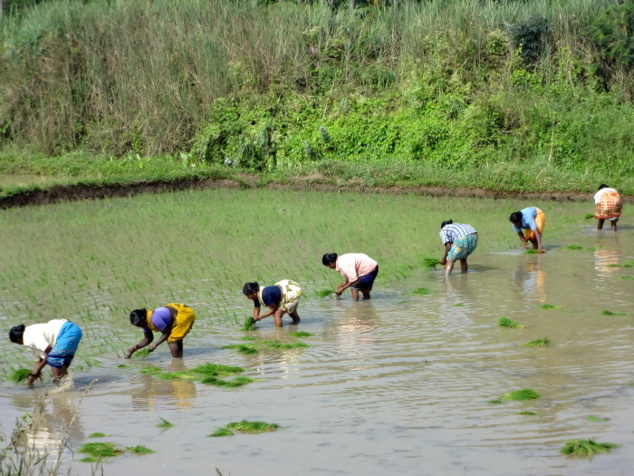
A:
(353, 265)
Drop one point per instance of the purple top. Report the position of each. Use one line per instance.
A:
(161, 318)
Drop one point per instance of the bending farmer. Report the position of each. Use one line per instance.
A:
(53, 343)
(607, 206)
(533, 220)
(173, 321)
(460, 241)
(358, 269)
(281, 298)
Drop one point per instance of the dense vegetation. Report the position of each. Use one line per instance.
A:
(535, 93)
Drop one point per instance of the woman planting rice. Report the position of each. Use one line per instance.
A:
(174, 321)
(608, 206)
(53, 343)
(359, 270)
(460, 241)
(533, 220)
(281, 298)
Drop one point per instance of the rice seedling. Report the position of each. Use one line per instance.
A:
(596, 419)
(523, 394)
(221, 432)
(573, 247)
(543, 342)
(431, 262)
(325, 292)
(588, 216)
(626, 277)
(97, 435)
(276, 344)
(301, 334)
(460, 304)
(532, 251)
(549, 306)
(140, 450)
(249, 324)
(610, 313)
(242, 348)
(99, 450)
(142, 353)
(586, 447)
(20, 375)
(497, 401)
(527, 413)
(249, 338)
(164, 423)
(421, 291)
(506, 322)
(238, 381)
(252, 427)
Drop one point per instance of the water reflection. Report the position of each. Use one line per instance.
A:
(530, 278)
(159, 394)
(456, 309)
(607, 254)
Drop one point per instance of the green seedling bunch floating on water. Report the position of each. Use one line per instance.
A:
(212, 374)
(586, 447)
(256, 346)
(245, 426)
(523, 394)
(98, 451)
(543, 342)
(506, 322)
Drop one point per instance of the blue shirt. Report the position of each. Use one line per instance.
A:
(528, 220)
(270, 295)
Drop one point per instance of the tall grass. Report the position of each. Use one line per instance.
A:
(145, 77)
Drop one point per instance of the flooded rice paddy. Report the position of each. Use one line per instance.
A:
(402, 383)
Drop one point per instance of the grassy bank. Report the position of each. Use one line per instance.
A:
(505, 96)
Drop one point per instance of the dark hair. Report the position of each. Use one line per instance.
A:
(602, 186)
(516, 217)
(138, 317)
(445, 223)
(328, 258)
(16, 333)
(250, 288)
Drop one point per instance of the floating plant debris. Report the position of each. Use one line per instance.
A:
(586, 447)
(610, 313)
(236, 382)
(506, 322)
(421, 291)
(543, 342)
(243, 348)
(276, 344)
(164, 423)
(497, 401)
(140, 450)
(20, 375)
(249, 324)
(573, 247)
(205, 373)
(252, 427)
(596, 419)
(97, 435)
(526, 413)
(548, 306)
(97, 451)
(222, 432)
(301, 334)
(523, 394)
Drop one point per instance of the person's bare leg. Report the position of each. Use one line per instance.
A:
(176, 348)
(464, 267)
(449, 266)
(355, 293)
(294, 316)
(613, 224)
(366, 294)
(60, 372)
(278, 317)
(600, 224)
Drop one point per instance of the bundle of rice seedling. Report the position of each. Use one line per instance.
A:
(20, 375)
(221, 432)
(249, 324)
(140, 450)
(532, 251)
(523, 394)
(506, 322)
(431, 262)
(325, 292)
(596, 419)
(587, 216)
(141, 353)
(586, 447)
(420, 291)
(574, 247)
(245, 426)
(543, 342)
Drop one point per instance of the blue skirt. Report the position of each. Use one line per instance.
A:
(65, 346)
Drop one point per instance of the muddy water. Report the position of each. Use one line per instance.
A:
(401, 383)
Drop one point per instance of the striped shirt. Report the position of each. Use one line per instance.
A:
(451, 233)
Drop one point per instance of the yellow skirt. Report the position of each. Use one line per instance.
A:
(540, 221)
(183, 322)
